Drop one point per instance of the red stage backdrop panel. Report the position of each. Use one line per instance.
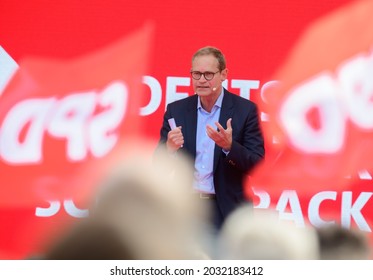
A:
(255, 36)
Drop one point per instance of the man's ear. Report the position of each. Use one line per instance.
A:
(224, 74)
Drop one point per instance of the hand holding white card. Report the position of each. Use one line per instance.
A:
(172, 124)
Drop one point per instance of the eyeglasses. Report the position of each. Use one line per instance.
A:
(208, 75)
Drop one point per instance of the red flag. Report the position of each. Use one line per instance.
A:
(57, 118)
(321, 112)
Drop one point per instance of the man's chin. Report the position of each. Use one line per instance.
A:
(204, 92)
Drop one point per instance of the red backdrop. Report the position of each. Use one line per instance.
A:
(255, 36)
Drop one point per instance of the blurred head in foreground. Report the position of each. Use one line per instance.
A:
(148, 202)
(90, 240)
(260, 235)
(339, 243)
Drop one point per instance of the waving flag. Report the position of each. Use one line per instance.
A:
(321, 112)
(56, 118)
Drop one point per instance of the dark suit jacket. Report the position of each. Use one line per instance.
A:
(247, 147)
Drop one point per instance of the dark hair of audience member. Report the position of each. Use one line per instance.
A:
(340, 243)
(90, 240)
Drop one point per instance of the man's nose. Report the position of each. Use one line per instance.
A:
(202, 79)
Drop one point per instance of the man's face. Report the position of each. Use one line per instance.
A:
(203, 64)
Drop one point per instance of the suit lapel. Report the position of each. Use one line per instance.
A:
(226, 112)
(191, 125)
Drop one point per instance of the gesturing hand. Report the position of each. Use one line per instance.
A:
(175, 139)
(222, 137)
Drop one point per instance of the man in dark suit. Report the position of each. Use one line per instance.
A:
(222, 156)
